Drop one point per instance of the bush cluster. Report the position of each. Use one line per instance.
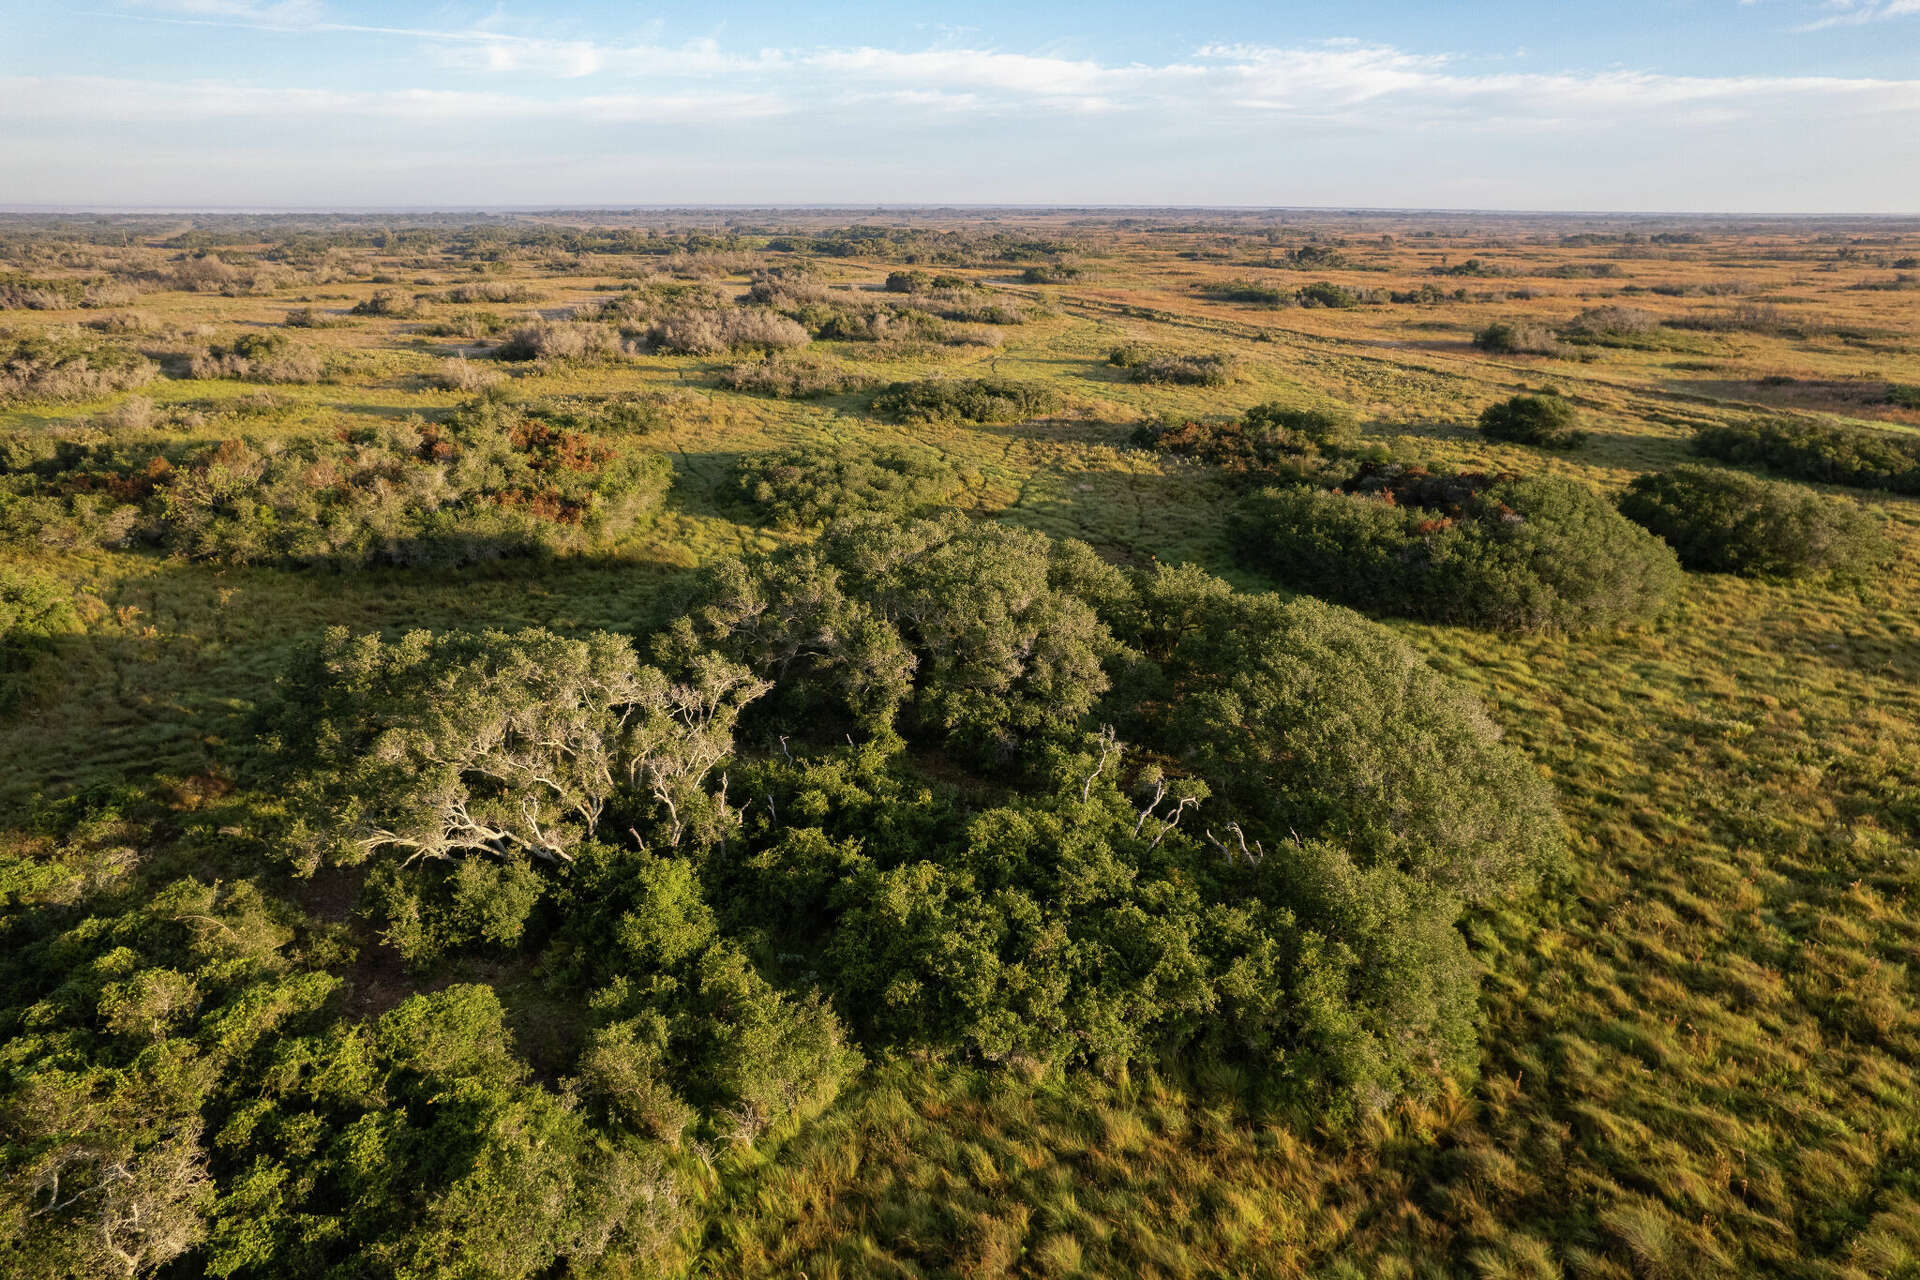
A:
(1539, 418)
(1148, 364)
(807, 486)
(258, 357)
(983, 400)
(65, 365)
(1506, 554)
(1860, 457)
(1518, 337)
(794, 379)
(495, 480)
(1269, 440)
(1721, 521)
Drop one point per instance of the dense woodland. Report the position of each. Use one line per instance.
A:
(687, 744)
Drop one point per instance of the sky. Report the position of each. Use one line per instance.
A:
(1772, 106)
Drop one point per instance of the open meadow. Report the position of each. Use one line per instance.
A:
(1605, 960)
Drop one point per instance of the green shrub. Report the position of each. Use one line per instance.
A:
(984, 400)
(34, 611)
(1246, 291)
(1324, 293)
(1721, 521)
(1513, 555)
(1828, 452)
(1518, 337)
(803, 487)
(64, 365)
(1543, 419)
(1268, 440)
(794, 379)
(1148, 364)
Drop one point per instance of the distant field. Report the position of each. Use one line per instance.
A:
(1697, 1048)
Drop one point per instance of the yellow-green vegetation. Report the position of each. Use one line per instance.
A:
(926, 838)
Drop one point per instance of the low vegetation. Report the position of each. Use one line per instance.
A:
(983, 400)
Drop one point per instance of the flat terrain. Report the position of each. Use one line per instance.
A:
(1698, 1051)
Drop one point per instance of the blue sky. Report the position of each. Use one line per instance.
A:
(1708, 105)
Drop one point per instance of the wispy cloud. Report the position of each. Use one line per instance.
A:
(1362, 84)
(1853, 13)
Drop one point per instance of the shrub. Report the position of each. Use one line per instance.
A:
(495, 291)
(802, 487)
(395, 303)
(1268, 440)
(457, 373)
(1543, 419)
(794, 379)
(1247, 291)
(1512, 555)
(985, 400)
(708, 333)
(1052, 273)
(34, 609)
(972, 335)
(1610, 322)
(258, 357)
(495, 480)
(1722, 521)
(1902, 397)
(120, 322)
(558, 340)
(1518, 337)
(1324, 293)
(62, 365)
(1148, 364)
(1828, 452)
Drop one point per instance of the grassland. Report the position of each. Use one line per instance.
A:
(1699, 1050)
